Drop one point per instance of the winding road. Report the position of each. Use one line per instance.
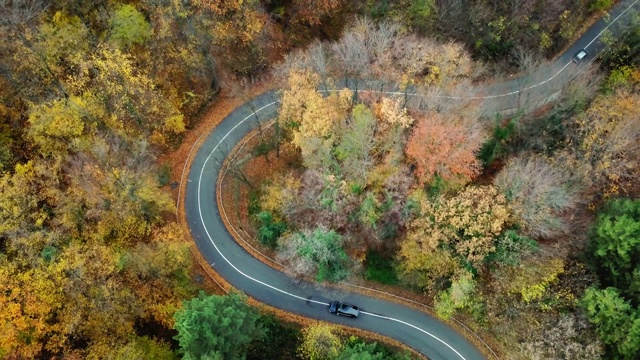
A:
(416, 329)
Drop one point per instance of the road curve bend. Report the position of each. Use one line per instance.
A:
(416, 329)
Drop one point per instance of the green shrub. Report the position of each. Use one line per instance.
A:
(435, 187)
(621, 77)
(600, 5)
(280, 342)
(495, 148)
(615, 247)
(316, 252)
(164, 175)
(380, 269)
(270, 230)
(358, 348)
(510, 247)
(254, 202)
(420, 12)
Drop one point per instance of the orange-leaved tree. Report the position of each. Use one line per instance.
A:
(446, 146)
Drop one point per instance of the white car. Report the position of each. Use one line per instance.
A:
(338, 308)
(579, 56)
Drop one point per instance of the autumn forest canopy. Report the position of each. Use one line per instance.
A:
(526, 226)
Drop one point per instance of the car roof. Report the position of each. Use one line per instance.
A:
(350, 309)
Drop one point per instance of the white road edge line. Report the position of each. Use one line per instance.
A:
(392, 93)
(463, 97)
(261, 282)
(611, 23)
(517, 91)
(415, 327)
(207, 230)
(456, 97)
(184, 168)
(362, 312)
(224, 210)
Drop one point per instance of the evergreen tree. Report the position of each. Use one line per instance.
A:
(216, 327)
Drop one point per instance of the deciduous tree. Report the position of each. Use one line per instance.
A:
(316, 252)
(143, 348)
(609, 137)
(540, 192)
(237, 28)
(134, 105)
(29, 298)
(156, 271)
(381, 51)
(56, 127)
(465, 226)
(311, 12)
(279, 195)
(23, 195)
(63, 42)
(312, 116)
(446, 146)
(569, 337)
(97, 305)
(320, 341)
(392, 113)
(352, 54)
(424, 266)
(128, 26)
(533, 277)
(457, 296)
(355, 145)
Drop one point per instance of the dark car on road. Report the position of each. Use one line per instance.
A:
(338, 308)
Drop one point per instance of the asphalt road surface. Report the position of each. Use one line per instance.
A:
(416, 329)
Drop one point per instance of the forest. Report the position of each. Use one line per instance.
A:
(525, 226)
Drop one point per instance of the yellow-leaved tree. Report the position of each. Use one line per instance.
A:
(236, 28)
(128, 26)
(531, 280)
(29, 300)
(312, 116)
(609, 136)
(56, 126)
(130, 97)
(22, 196)
(278, 196)
(63, 42)
(464, 226)
(320, 341)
